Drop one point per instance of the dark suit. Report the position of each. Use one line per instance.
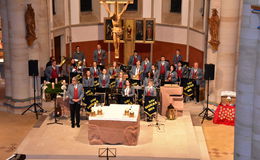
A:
(197, 77)
(79, 56)
(177, 59)
(75, 106)
(102, 56)
(132, 59)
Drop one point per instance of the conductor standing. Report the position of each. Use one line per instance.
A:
(75, 93)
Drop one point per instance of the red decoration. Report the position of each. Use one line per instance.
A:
(225, 115)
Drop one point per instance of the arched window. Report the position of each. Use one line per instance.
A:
(176, 6)
(85, 5)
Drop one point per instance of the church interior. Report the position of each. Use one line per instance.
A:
(129, 79)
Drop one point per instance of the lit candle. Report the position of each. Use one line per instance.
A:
(56, 80)
(52, 85)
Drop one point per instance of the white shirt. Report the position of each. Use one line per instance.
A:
(127, 89)
(104, 76)
(75, 86)
(137, 71)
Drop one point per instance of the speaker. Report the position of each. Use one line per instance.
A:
(33, 67)
(209, 72)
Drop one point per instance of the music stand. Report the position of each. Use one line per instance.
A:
(157, 123)
(135, 82)
(107, 152)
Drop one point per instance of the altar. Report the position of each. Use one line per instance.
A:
(113, 126)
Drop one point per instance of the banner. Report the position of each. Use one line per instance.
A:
(89, 102)
(150, 105)
(96, 83)
(188, 87)
(112, 83)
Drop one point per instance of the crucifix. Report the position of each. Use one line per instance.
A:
(116, 18)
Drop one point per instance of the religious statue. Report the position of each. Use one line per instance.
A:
(214, 22)
(30, 25)
(116, 18)
(149, 32)
(129, 32)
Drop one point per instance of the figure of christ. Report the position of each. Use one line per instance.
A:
(116, 18)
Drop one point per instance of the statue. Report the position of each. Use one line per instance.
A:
(214, 22)
(30, 25)
(116, 18)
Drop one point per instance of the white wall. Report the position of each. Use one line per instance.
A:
(87, 33)
(171, 34)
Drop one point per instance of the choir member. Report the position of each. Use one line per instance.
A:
(52, 72)
(94, 70)
(150, 90)
(114, 70)
(88, 81)
(134, 58)
(149, 76)
(136, 71)
(128, 90)
(120, 81)
(162, 67)
(104, 79)
(177, 58)
(78, 55)
(146, 64)
(179, 71)
(99, 55)
(75, 93)
(196, 74)
(154, 71)
(171, 75)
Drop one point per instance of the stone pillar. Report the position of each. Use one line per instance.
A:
(19, 59)
(247, 89)
(226, 59)
(7, 54)
(255, 19)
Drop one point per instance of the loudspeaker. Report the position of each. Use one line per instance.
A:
(33, 67)
(209, 72)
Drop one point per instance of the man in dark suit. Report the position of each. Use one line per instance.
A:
(99, 55)
(78, 55)
(134, 58)
(177, 58)
(196, 74)
(75, 93)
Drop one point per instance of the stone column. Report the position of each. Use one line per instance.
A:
(225, 68)
(19, 59)
(246, 88)
(7, 54)
(255, 19)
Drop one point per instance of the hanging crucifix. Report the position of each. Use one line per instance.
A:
(116, 18)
